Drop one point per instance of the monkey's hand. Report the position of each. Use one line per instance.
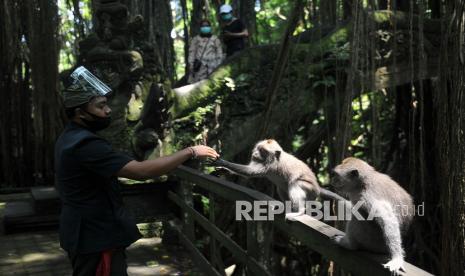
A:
(395, 265)
(344, 241)
(292, 216)
(337, 239)
(218, 162)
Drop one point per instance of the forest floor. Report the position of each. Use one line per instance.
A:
(39, 253)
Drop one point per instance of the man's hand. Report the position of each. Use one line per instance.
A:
(204, 152)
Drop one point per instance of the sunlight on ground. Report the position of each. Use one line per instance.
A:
(40, 254)
(35, 257)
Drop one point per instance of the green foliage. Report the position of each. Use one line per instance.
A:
(327, 81)
(272, 20)
(69, 36)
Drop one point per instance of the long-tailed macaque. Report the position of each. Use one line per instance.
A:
(378, 194)
(294, 180)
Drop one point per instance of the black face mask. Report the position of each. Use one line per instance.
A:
(98, 123)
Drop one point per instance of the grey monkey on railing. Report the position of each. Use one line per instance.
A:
(377, 194)
(294, 180)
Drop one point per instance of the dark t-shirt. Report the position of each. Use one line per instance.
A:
(237, 43)
(93, 217)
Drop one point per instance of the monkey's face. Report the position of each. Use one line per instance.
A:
(346, 179)
(266, 151)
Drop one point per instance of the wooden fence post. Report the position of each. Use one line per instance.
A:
(215, 250)
(185, 192)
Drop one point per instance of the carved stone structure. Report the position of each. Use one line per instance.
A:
(118, 52)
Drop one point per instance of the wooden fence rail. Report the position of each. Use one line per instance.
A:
(310, 232)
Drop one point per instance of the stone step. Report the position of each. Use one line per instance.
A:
(148, 202)
(20, 216)
(46, 200)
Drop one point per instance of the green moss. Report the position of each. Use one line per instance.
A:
(186, 100)
(239, 87)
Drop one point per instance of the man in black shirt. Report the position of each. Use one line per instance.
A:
(95, 228)
(234, 31)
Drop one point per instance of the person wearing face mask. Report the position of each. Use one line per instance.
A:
(95, 227)
(234, 31)
(205, 53)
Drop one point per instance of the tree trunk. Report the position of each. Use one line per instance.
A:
(48, 111)
(248, 15)
(347, 8)
(279, 68)
(384, 4)
(435, 6)
(31, 112)
(328, 9)
(451, 141)
(196, 16)
(15, 107)
(163, 24)
(187, 35)
(158, 23)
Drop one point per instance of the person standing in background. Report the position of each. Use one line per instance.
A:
(234, 31)
(205, 53)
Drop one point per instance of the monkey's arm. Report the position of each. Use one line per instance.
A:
(386, 218)
(251, 170)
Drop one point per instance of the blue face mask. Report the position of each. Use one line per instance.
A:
(205, 30)
(226, 16)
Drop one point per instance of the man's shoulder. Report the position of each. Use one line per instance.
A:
(238, 22)
(74, 136)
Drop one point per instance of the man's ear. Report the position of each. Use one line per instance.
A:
(80, 112)
(354, 173)
(277, 154)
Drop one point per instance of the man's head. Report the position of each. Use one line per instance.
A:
(95, 114)
(226, 13)
(85, 102)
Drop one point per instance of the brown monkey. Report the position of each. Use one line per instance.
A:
(375, 193)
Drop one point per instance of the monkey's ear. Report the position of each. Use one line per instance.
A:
(277, 154)
(354, 173)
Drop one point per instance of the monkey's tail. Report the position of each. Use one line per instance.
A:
(324, 193)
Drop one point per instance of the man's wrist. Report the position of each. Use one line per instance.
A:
(193, 152)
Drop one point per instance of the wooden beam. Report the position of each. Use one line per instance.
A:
(198, 257)
(239, 253)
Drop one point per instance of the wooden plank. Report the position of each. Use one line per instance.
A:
(313, 233)
(317, 235)
(185, 192)
(259, 239)
(239, 253)
(223, 188)
(198, 257)
(215, 251)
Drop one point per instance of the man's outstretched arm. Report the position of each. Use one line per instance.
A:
(152, 168)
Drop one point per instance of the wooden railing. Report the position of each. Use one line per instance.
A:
(309, 231)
